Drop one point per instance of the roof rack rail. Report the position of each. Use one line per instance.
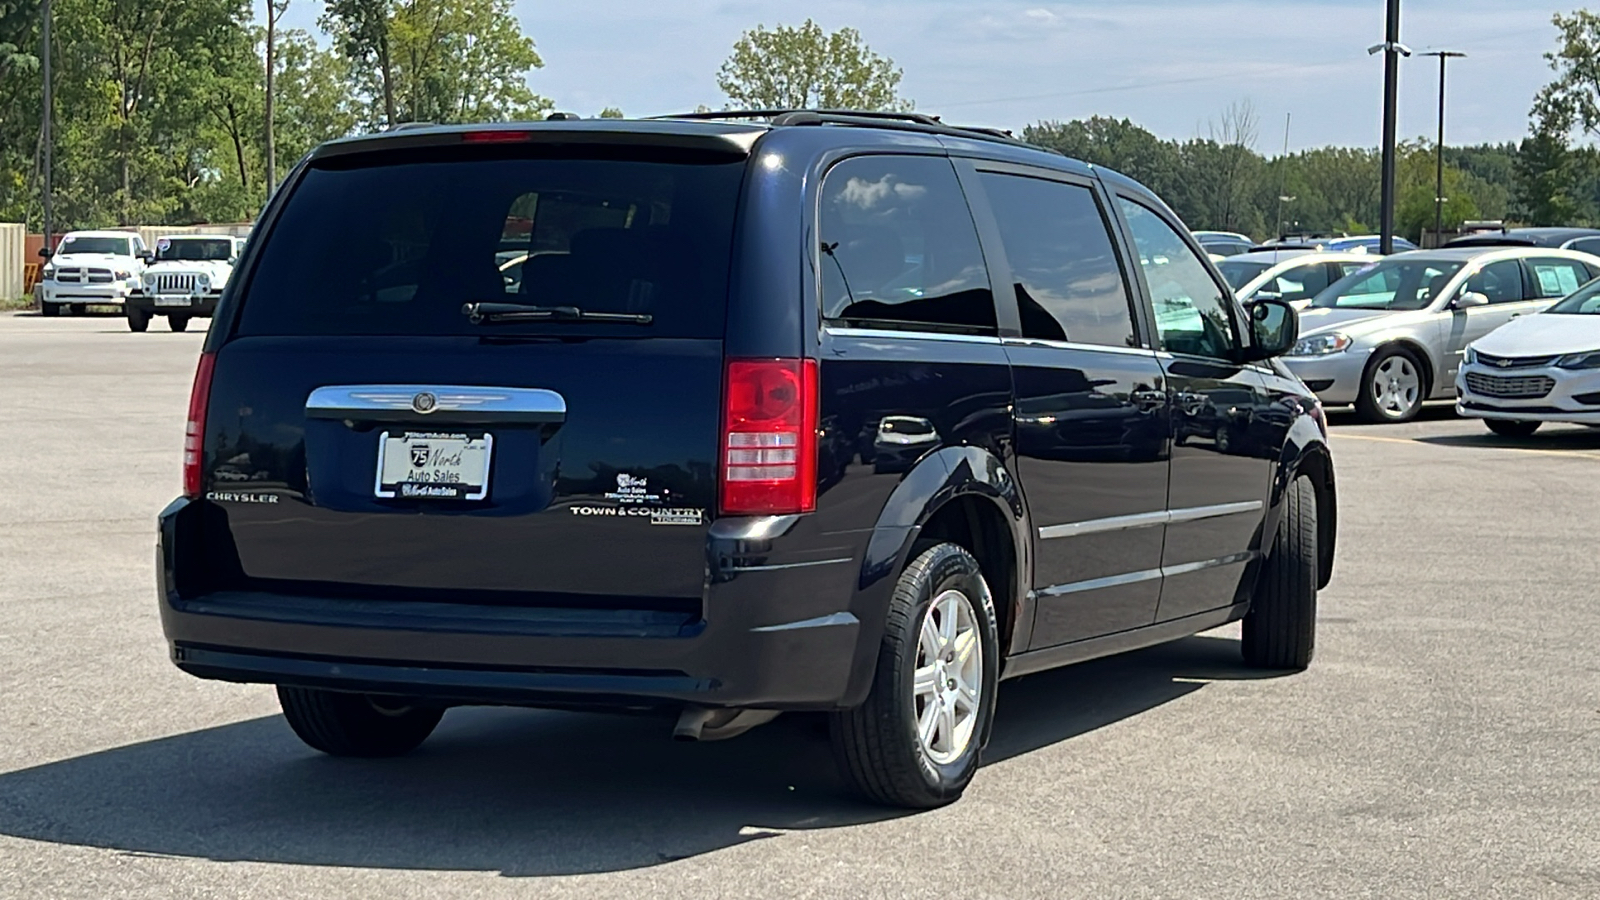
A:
(408, 126)
(904, 121)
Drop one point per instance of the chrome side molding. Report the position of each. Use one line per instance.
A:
(421, 402)
(1145, 520)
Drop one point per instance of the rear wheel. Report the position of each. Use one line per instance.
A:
(1513, 428)
(1280, 630)
(341, 724)
(178, 323)
(1392, 388)
(915, 742)
(138, 319)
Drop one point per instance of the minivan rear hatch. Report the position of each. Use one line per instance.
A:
(484, 370)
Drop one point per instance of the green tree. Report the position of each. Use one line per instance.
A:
(807, 68)
(1544, 177)
(463, 61)
(20, 104)
(315, 103)
(360, 29)
(1572, 100)
(611, 112)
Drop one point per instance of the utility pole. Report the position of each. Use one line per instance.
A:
(48, 138)
(275, 9)
(1392, 50)
(1283, 176)
(1438, 193)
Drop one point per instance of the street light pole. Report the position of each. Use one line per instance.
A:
(46, 137)
(1392, 51)
(1438, 194)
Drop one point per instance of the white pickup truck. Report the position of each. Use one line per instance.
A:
(184, 280)
(90, 267)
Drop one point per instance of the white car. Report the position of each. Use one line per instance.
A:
(90, 267)
(1293, 276)
(185, 279)
(1536, 369)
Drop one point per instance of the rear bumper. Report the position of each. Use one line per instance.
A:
(169, 304)
(767, 638)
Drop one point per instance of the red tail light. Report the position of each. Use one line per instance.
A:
(194, 430)
(769, 437)
(495, 137)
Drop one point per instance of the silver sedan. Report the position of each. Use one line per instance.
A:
(1391, 336)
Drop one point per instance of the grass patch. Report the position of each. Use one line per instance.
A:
(16, 303)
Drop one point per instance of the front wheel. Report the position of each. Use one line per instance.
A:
(49, 310)
(915, 742)
(138, 319)
(177, 323)
(80, 309)
(1392, 387)
(1281, 628)
(341, 724)
(1512, 428)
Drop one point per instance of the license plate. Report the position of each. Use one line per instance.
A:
(172, 301)
(433, 466)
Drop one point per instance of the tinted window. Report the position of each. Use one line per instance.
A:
(1556, 277)
(1240, 272)
(194, 249)
(1300, 282)
(114, 246)
(1586, 245)
(1193, 313)
(1501, 282)
(399, 247)
(1069, 284)
(899, 249)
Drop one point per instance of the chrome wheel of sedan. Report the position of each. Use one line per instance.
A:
(948, 683)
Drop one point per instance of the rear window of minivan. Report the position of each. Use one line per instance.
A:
(396, 244)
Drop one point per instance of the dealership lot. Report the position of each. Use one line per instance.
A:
(1445, 743)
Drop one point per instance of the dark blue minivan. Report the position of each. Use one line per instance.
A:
(730, 415)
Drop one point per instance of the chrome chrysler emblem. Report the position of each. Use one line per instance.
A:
(424, 403)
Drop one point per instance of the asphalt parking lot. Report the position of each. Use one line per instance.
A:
(1445, 743)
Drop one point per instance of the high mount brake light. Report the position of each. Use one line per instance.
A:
(769, 437)
(495, 137)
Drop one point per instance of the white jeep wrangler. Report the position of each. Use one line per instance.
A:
(90, 267)
(184, 280)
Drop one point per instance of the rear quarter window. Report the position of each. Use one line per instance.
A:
(397, 244)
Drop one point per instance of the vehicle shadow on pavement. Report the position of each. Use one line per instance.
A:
(528, 793)
(1554, 439)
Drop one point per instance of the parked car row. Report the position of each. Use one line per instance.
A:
(180, 279)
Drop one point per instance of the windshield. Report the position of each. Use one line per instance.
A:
(1239, 272)
(398, 244)
(1585, 301)
(220, 249)
(1398, 284)
(113, 246)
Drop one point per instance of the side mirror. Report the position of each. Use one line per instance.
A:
(148, 256)
(1274, 329)
(44, 252)
(1469, 300)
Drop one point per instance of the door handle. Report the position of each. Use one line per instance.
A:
(1148, 400)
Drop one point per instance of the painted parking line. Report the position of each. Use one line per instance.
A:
(1564, 454)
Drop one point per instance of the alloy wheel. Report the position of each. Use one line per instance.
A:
(948, 684)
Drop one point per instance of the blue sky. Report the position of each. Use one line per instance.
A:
(1170, 65)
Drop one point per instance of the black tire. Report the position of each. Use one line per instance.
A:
(1280, 630)
(877, 743)
(341, 724)
(138, 319)
(1512, 428)
(178, 323)
(80, 309)
(49, 310)
(1367, 407)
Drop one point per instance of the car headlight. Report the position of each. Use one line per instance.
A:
(1321, 345)
(1470, 356)
(1588, 360)
(202, 282)
(149, 279)
(49, 271)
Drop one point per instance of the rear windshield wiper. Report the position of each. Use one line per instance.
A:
(488, 313)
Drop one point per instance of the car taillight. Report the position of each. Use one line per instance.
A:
(769, 437)
(194, 430)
